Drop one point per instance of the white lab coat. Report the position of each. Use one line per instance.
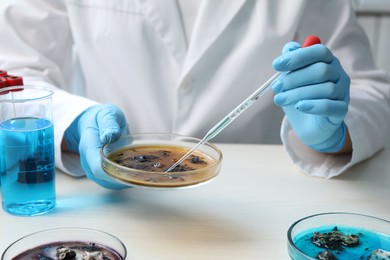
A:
(135, 54)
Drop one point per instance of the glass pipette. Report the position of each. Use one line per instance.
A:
(230, 117)
(310, 40)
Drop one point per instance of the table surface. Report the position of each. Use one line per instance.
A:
(243, 214)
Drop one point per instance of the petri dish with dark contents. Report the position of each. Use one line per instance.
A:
(66, 244)
(142, 160)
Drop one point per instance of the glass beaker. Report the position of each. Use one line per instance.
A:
(27, 164)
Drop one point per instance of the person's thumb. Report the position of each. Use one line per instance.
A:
(111, 123)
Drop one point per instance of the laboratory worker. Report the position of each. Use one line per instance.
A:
(180, 66)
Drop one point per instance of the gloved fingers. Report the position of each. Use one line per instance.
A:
(90, 159)
(97, 125)
(327, 90)
(108, 184)
(333, 109)
(302, 57)
(344, 81)
(97, 175)
(290, 46)
(313, 74)
(311, 129)
(111, 122)
(314, 94)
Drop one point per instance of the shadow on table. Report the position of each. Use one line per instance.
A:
(82, 202)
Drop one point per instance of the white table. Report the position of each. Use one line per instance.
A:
(243, 214)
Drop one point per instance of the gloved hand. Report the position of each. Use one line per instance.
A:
(314, 95)
(94, 127)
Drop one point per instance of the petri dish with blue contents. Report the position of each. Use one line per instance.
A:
(339, 235)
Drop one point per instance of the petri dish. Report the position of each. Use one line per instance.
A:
(142, 159)
(339, 235)
(66, 243)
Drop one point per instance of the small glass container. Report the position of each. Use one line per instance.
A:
(361, 236)
(47, 243)
(207, 154)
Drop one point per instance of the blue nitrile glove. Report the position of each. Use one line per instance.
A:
(314, 95)
(94, 127)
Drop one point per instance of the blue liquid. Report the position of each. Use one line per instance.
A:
(369, 241)
(27, 166)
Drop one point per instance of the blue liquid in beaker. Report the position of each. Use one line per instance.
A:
(27, 166)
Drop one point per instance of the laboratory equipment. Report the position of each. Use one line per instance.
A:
(67, 243)
(310, 40)
(339, 234)
(27, 150)
(141, 159)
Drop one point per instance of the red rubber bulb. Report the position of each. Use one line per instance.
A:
(311, 40)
